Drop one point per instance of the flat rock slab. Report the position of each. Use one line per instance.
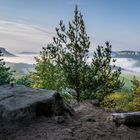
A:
(130, 118)
(20, 103)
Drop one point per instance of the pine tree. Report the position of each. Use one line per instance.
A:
(5, 73)
(71, 52)
(64, 64)
(105, 78)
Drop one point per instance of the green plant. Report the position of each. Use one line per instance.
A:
(6, 75)
(25, 80)
(64, 64)
(67, 96)
(125, 101)
(47, 73)
(135, 87)
(71, 53)
(104, 78)
(117, 101)
(134, 105)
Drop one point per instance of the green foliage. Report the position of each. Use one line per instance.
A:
(67, 96)
(47, 74)
(134, 105)
(5, 73)
(25, 80)
(66, 59)
(71, 47)
(104, 78)
(64, 64)
(117, 101)
(135, 87)
(125, 101)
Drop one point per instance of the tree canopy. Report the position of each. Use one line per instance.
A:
(5, 72)
(64, 63)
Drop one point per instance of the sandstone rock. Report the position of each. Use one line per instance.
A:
(120, 111)
(59, 119)
(68, 130)
(20, 103)
(123, 128)
(68, 138)
(89, 118)
(132, 118)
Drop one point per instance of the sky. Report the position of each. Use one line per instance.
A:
(28, 25)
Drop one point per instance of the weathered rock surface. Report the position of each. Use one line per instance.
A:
(88, 118)
(132, 118)
(21, 104)
(73, 128)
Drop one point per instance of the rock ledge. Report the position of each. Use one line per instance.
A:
(21, 104)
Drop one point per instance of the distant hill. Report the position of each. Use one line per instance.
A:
(20, 68)
(123, 54)
(28, 53)
(91, 53)
(128, 54)
(6, 53)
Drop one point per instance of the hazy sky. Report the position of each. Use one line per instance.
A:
(27, 25)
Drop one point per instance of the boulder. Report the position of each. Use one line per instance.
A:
(21, 104)
(130, 118)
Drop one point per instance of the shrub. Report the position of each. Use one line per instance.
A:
(134, 105)
(25, 80)
(6, 75)
(47, 74)
(117, 101)
(105, 78)
(125, 101)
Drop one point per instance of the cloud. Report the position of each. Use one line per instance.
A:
(128, 64)
(23, 37)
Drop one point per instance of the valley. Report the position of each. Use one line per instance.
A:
(23, 63)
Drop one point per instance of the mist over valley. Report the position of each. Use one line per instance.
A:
(127, 64)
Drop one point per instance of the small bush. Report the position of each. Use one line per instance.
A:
(67, 96)
(25, 80)
(134, 105)
(117, 101)
(6, 75)
(125, 101)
